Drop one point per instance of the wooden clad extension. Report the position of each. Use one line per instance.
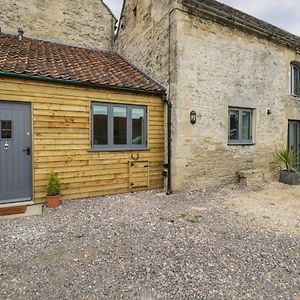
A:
(62, 138)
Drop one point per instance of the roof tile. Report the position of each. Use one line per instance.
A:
(47, 59)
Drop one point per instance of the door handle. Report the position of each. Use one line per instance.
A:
(27, 150)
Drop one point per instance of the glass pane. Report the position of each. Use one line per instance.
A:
(234, 125)
(120, 125)
(297, 82)
(294, 139)
(6, 129)
(100, 119)
(138, 124)
(246, 123)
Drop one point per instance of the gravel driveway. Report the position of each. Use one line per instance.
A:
(147, 246)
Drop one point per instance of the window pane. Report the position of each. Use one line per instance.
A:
(138, 124)
(297, 82)
(295, 78)
(120, 125)
(246, 125)
(234, 125)
(100, 119)
(6, 129)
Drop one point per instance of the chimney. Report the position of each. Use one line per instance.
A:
(20, 34)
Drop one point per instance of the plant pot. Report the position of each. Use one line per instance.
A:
(289, 177)
(53, 201)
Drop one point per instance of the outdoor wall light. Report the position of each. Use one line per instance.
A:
(193, 117)
(269, 111)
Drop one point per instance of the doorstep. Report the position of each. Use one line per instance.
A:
(20, 209)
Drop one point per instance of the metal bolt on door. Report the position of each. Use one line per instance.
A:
(138, 174)
(15, 152)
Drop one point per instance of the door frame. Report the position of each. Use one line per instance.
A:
(29, 103)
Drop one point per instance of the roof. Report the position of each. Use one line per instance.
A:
(231, 17)
(47, 60)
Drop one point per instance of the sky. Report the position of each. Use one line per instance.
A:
(281, 13)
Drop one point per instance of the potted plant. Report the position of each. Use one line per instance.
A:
(288, 173)
(53, 190)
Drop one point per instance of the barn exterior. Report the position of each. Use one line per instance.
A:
(234, 82)
(88, 115)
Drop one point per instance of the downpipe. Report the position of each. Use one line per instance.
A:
(169, 138)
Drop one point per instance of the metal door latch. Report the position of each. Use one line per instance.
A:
(27, 150)
(6, 146)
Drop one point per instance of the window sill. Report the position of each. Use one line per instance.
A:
(241, 144)
(120, 149)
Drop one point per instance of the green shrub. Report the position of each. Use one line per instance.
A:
(287, 158)
(53, 186)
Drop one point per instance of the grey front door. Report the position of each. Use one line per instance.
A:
(294, 140)
(15, 152)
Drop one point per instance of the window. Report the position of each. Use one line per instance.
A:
(295, 80)
(240, 126)
(6, 129)
(119, 127)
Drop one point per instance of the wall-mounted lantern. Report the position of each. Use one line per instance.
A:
(193, 117)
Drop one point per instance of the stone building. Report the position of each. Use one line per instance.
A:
(88, 23)
(239, 75)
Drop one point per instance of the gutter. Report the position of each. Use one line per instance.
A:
(81, 83)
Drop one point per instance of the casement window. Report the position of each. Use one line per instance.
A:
(119, 127)
(295, 80)
(240, 126)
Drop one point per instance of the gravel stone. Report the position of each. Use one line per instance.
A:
(147, 246)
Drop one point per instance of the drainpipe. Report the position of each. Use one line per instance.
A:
(169, 138)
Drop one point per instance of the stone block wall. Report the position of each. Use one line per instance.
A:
(212, 67)
(85, 23)
(143, 37)
(218, 68)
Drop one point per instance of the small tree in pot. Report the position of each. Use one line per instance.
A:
(288, 173)
(53, 190)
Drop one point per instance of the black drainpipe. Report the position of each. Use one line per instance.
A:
(169, 134)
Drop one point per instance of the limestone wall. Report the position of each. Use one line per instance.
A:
(83, 23)
(217, 68)
(143, 37)
(212, 67)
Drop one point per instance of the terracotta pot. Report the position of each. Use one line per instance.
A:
(53, 201)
